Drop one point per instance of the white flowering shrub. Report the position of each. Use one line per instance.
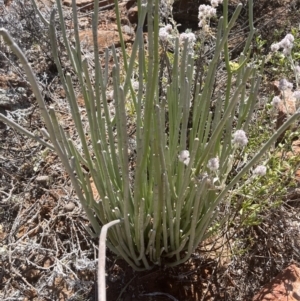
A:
(283, 51)
(275, 101)
(286, 44)
(260, 170)
(186, 141)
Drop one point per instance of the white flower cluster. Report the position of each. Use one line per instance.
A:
(215, 3)
(207, 11)
(240, 138)
(286, 44)
(260, 170)
(187, 36)
(275, 101)
(191, 38)
(296, 94)
(164, 32)
(213, 164)
(165, 8)
(285, 85)
(135, 85)
(184, 157)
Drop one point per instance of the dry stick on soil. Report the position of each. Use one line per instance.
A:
(125, 287)
(160, 294)
(25, 132)
(8, 195)
(101, 260)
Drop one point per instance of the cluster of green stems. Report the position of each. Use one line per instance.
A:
(169, 208)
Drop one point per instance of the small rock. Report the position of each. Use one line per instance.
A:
(5, 102)
(106, 38)
(110, 95)
(127, 29)
(21, 90)
(113, 278)
(285, 286)
(62, 93)
(69, 207)
(286, 108)
(43, 180)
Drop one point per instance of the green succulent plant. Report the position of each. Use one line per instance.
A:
(186, 137)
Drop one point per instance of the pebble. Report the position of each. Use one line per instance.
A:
(43, 180)
(5, 102)
(69, 207)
